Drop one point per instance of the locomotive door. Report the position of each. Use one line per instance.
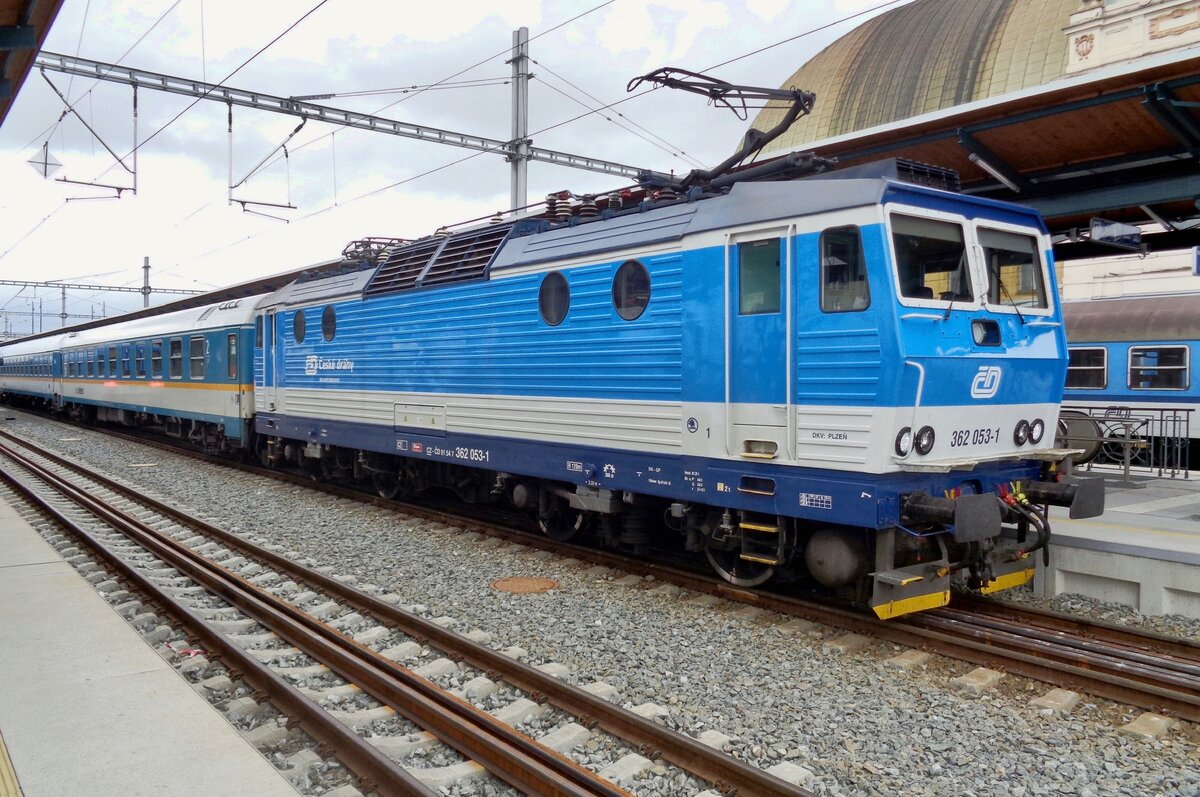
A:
(270, 370)
(758, 323)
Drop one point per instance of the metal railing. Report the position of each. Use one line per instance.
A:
(1157, 440)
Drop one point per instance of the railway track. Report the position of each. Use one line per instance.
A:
(1124, 665)
(295, 605)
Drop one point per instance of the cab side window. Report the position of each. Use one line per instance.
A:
(844, 285)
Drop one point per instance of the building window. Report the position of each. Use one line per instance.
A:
(931, 259)
(196, 358)
(1087, 368)
(176, 358)
(631, 290)
(554, 298)
(758, 277)
(844, 285)
(1158, 367)
(298, 326)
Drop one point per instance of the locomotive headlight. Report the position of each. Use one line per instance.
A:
(1021, 433)
(1036, 429)
(904, 441)
(925, 439)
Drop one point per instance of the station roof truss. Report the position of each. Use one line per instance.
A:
(1121, 142)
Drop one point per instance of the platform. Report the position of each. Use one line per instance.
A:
(1143, 551)
(87, 708)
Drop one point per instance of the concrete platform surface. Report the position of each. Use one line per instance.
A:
(86, 707)
(1143, 551)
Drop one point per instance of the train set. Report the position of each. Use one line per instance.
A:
(844, 380)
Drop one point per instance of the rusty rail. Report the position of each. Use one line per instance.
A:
(725, 772)
(510, 755)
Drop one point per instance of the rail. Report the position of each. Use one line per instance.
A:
(683, 750)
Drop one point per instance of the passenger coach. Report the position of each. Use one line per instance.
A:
(1133, 358)
(186, 372)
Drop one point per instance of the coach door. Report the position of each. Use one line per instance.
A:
(758, 326)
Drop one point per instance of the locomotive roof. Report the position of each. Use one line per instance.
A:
(481, 252)
(746, 203)
(1135, 318)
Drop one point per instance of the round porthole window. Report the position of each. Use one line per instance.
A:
(328, 322)
(631, 290)
(298, 326)
(554, 298)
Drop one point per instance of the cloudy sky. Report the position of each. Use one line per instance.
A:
(346, 185)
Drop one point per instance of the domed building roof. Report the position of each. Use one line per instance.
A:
(922, 57)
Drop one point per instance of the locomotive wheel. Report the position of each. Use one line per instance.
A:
(565, 524)
(738, 571)
(387, 485)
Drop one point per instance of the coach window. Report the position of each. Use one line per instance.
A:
(156, 349)
(843, 271)
(196, 358)
(176, 358)
(298, 326)
(258, 336)
(1014, 269)
(554, 298)
(91, 363)
(328, 322)
(126, 354)
(112, 361)
(631, 290)
(231, 351)
(1087, 368)
(931, 259)
(139, 360)
(758, 277)
(1158, 367)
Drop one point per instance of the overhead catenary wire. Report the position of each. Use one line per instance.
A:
(144, 141)
(658, 141)
(48, 131)
(502, 53)
(548, 128)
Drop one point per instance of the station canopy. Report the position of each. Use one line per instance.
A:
(981, 87)
(23, 26)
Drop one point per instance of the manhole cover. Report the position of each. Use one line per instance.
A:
(524, 585)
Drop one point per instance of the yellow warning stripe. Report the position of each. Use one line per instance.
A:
(1007, 581)
(919, 603)
(155, 384)
(8, 776)
(128, 381)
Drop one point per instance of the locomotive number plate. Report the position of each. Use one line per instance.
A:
(974, 437)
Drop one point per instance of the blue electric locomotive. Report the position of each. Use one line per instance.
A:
(847, 379)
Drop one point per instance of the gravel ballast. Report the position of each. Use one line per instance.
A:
(862, 728)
